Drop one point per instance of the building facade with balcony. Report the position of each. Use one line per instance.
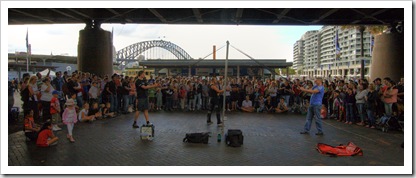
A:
(321, 60)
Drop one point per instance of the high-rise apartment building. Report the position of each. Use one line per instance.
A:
(319, 56)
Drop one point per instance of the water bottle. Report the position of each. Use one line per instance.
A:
(219, 137)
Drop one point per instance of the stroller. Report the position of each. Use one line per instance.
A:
(386, 123)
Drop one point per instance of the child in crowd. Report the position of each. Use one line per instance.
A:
(281, 106)
(30, 128)
(175, 98)
(106, 111)
(69, 117)
(269, 104)
(261, 104)
(55, 111)
(152, 98)
(83, 114)
(324, 112)
(46, 137)
(159, 99)
(349, 103)
(182, 96)
(74, 98)
(191, 99)
(95, 111)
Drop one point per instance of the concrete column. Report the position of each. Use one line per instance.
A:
(388, 57)
(95, 50)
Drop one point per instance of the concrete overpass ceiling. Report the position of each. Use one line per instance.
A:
(228, 16)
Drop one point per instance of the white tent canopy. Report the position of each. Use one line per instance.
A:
(45, 72)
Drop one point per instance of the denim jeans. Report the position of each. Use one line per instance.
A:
(169, 101)
(361, 111)
(313, 110)
(79, 101)
(198, 101)
(388, 108)
(350, 112)
(191, 103)
(370, 115)
(287, 97)
(113, 102)
(126, 100)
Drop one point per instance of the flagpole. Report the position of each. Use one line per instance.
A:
(225, 84)
(27, 50)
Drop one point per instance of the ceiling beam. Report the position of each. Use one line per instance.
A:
(31, 15)
(325, 15)
(281, 15)
(239, 15)
(158, 15)
(65, 14)
(365, 16)
(198, 15)
(81, 14)
(118, 15)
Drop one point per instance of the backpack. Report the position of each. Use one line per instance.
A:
(197, 137)
(349, 150)
(234, 137)
(25, 94)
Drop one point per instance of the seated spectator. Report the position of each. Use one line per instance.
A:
(95, 111)
(324, 112)
(269, 104)
(30, 128)
(281, 106)
(261, 104)
(106, 111)
(46, 137)
(247, 105)
(83, 114)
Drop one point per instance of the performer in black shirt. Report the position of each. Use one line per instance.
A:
(142, 97)
(216, 102)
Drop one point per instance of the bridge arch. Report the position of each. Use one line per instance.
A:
(131, 52)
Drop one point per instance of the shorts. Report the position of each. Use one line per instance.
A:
(143, 104)
(56, 118)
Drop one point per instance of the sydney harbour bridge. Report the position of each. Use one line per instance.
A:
(164, 54)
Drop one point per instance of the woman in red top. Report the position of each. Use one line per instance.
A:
(46, 136)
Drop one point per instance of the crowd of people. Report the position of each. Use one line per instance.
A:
(85, 97)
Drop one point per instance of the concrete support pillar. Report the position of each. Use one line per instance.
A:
(388, 57)
(95, 50)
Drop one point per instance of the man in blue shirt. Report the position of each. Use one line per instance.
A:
(315, 106)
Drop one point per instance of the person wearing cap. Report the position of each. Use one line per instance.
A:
(315, 106)
(69, 118)
(55, 110)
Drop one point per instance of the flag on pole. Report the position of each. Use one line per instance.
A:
(337, 48)
(329, 66)
(27, 39)
(371, 45)
(322, 67)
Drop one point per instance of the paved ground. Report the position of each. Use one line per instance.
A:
(269, 140)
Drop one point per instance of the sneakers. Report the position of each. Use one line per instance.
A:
(220, 124)
(209, 122)
(148, 123)
(56, 128)
(304, 132)
(319, 133)
(135, 125)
